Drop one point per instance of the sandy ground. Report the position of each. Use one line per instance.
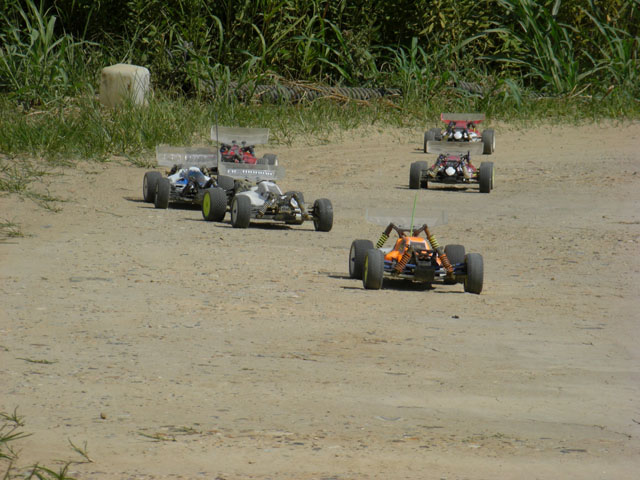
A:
(186, 349)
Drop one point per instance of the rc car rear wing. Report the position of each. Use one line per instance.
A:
(248, 136)
(253, 173)
(445, 146)
(462, 117)
(168, 156)
(403, 219)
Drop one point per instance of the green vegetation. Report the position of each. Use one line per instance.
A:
(11, 425)
(199, 53)
(529, 61)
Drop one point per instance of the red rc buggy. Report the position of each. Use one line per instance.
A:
(460, 134)
(452, 169)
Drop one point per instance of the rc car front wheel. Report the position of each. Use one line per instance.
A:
(163, 190)
(488, 142)
(322, 215)
(415, 174)
(214, 205)
(486, 177)
(240, 211)
(475, 273)
(358, 251)
(373, 269)
(149, 183)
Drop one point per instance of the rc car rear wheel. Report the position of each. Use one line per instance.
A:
(485, 177)
(415, 174)
(373, 269)
(268, 159)
(488, 142)
(358, 251)
(240, 211)
(429, 136)
(322, 215)
(475, 273)
(455, 254)
(214, 205)
(149, 186)
(225, 183)
(163, 190)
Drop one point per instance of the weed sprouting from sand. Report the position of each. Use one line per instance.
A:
(11, 431)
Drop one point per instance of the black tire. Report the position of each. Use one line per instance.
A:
(475, 273)
(373, 269)
(268, 159)
(214, 205)
(488, 142)
(240, 211)
(358, 251)
(225, 183)
(485, 177)
(431, 135)
(322, 215)
(149, 183)
(163, 191)
(455, 254)
(415, 174)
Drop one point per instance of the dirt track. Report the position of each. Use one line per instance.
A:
(186, 349)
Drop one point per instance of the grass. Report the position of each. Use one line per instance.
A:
(9, 229)
(37, 65)
(11, 431)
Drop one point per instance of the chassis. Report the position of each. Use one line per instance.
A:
(415, 258)
(452, 169)
(460, 129)
(250, 192)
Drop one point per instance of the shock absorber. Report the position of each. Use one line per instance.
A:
(443, 256)
(383, 238)
(303, 209)
(403, 260)
(263, 209)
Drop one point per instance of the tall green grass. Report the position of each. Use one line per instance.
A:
(38, 65)
(545, 54)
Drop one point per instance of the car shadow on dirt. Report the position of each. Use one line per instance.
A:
(339, 276)
(265, 226)
(172, 206)
(135, 200)
(392, 284)
(441, 188)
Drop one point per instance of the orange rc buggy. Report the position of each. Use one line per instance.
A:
(414, 258)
